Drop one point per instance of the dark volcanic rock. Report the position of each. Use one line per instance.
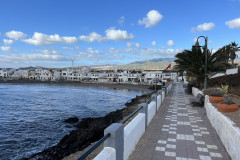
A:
(71, 120)
(88, 130)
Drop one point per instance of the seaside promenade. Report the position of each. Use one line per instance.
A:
(179, 132)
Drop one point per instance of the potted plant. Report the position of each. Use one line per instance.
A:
(216, 95)
(227, 105)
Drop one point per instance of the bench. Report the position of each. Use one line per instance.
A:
(199, 100)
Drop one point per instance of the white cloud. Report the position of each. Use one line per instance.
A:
(32, 57)
(49, 52)
(16, 35)
(118, 35)
(235, 23)
(42, 39)
(111, 34)
(170, 43)
(132, 44)
(92, 51)
(7, 49)
(92, 37)
(7, 41)
(152, 19)
(129, 44)
(67, 48)
(154, 43)
(145, 51)
(121, 21)
(137, 45)
(203, 27)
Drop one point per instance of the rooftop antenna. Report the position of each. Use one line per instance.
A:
(73, 59)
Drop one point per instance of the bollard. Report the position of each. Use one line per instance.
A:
(145, 111)
(116, 140)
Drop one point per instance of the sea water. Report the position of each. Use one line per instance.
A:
(32, 115)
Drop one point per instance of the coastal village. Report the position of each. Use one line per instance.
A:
(86, 74)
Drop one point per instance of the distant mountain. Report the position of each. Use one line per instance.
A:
(27, 68)
(151, 64)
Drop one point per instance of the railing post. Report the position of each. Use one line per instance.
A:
(116, 140)
(164, 89)
(145, 111)
(160, 93)
(154, 96)
(163, 93)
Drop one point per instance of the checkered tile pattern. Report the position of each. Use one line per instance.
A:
(183, 133)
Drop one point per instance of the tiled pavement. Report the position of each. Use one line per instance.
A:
(179, 132)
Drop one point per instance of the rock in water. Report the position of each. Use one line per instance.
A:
(71, 120)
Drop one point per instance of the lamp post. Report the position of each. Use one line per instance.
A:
(205, 52)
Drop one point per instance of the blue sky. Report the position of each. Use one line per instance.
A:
(50, 33)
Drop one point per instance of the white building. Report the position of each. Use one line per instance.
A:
(152, 75)
(6, 72)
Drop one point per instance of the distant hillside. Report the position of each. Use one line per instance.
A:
(151, 64)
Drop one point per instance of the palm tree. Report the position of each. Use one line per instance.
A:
(229, 51)
(193, 62)
(234, 49)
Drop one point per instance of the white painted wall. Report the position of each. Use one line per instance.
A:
(232, 71)
(217, 75)
(196, 91)
(132, 133)
(228, 133)
(159, 102)
(151, 111)
(107, 153)
(228, 72)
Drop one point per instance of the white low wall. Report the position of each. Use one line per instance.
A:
(151, 111)
(228, 72)
(228, 133)
(107, 153)
(232, 71)
(159, 101)
(217, 75)
(196, 91)
(132, 133)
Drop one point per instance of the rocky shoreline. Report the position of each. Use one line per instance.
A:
(87, 131)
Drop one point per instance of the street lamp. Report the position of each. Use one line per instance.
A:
(205, 52)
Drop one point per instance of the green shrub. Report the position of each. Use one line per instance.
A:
(224, 88)
(216, 92)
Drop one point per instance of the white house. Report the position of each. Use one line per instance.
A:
(151, 75)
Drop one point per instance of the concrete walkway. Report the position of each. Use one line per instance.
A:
(179, 132)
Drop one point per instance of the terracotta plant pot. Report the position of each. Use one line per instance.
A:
(227, 107)
(213, 99)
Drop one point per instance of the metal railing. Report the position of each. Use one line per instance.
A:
(90, 150)
(148, 101)
(131, 115)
